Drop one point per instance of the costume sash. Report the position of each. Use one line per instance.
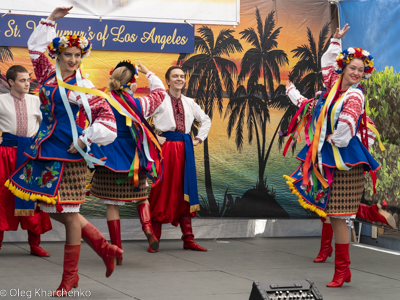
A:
(22, 207)
(190, 186)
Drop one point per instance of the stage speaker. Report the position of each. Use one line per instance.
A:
(285, 290)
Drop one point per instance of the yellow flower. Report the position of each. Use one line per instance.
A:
(74, 37)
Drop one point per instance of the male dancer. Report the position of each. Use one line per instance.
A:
(20, 118)
(175, 199)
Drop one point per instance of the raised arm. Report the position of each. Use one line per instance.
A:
(40, 39)
(328, 60)
(157, 94)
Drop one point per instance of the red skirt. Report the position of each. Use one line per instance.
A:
(167, 197)
(39, 223)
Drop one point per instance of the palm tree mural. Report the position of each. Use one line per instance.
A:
(307, 71)
(250, 109)
(306, 75)
(264, 59)
(261, 61)
(5, 55)
(209, 75)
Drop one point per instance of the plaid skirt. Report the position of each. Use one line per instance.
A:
(346, 192)
(105, 186)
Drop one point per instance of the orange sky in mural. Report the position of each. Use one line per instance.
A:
(293, 17)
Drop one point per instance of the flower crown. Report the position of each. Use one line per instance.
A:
(346, 56)
(59, 44)
(131, 67)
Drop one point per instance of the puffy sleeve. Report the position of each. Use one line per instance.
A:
(327, 63)
(353, 107)
(295, 96)
(37, 46)
(204, 119)
(103, 129)
(157, 94)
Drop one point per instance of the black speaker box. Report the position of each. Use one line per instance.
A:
(285, 290)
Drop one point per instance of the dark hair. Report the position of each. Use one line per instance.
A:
(13, 71)
(168, 73)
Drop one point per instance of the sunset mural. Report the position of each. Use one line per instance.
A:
(232, 173)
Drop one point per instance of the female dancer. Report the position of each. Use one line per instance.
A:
(55, 173)
(330, 180)
(124, 176)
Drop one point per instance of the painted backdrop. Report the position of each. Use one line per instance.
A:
(237, 74)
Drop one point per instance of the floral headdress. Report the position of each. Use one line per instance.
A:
(131, 67)
(346, 56)
(59, 44)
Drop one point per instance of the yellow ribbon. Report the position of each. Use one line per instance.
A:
(374, 130)
(96, 93)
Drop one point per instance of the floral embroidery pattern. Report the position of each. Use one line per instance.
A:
(27, 173)
(48, 176)
(47, 123)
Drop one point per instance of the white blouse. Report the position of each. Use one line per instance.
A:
(20, 117)
(158, 104)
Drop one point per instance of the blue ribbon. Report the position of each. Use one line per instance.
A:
(190, 184)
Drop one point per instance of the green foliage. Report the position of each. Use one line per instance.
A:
(388, 177)
(382, 92)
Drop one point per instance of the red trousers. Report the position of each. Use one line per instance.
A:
(167, 197)
(39, 223)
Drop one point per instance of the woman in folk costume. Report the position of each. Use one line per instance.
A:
(330, 180)
(55, 173)
(373, 213)
(134, 156)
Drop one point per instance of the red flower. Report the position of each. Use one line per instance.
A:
(28, 173)
(320, 195)
(44, 100)
(47, 177)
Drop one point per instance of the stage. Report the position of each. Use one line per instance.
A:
(225, 272)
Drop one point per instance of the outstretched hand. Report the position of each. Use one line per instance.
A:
(288, 84)
(59, 13)
(142, 68)
(341, 32)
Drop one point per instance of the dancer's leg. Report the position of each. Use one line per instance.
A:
(342, 255)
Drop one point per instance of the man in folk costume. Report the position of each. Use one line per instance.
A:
(20, 118)
(175, 198)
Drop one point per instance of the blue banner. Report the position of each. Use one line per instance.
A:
(105, 34)
(374, 26)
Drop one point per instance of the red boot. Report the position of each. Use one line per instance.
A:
(114, 228)
(375, 213)
(187, 237)
(157, 228)
(342, 262)
(93, 237)
(326, 243)
(34, 241)
(70, 276)
(1, 238)
(145, 219)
